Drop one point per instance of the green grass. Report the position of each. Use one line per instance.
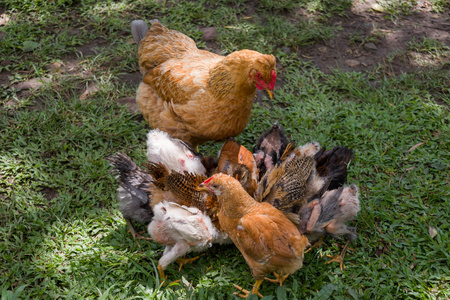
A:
(61, 235)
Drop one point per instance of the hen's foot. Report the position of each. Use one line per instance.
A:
(183, 261)
(340, 258)
(279, 278)
(246, 293)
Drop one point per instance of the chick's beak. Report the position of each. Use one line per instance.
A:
(270, 93)
(202, 187)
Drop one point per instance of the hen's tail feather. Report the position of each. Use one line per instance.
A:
(139, 29)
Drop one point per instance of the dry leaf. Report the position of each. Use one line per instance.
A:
(432, 231)
(415, 146)
(377, 7)
(91, 89)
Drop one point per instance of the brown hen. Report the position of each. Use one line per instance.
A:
(196, 95)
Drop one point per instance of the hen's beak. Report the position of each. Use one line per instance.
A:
(270, 93)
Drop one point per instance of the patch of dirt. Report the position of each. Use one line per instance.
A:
(49, 193)
(368, 38)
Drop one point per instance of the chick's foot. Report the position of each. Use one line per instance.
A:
(136, 236)
(246, 293)
(340, 258)
(183, 261)
(280, 278)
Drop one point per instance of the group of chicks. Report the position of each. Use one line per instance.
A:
(272, 203)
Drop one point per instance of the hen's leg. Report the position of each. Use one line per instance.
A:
(246, 293)
(280, 278)
(340, 258)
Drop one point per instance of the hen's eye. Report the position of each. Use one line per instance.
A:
(215, 186)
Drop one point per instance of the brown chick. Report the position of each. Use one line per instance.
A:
(195, 95)
(268, 241)
(238, 162)
(286, 185)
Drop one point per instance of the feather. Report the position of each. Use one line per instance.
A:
(138, 29)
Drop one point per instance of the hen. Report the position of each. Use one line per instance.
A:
(196, 95)
(268, 241)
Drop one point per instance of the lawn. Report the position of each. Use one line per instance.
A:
(69, 72)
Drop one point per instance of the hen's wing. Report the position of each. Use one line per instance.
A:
(175, 69)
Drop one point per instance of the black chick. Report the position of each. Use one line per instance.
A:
(332, 164)
(133, 193)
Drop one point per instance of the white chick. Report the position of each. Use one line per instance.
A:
(182, 229)
(173, 153)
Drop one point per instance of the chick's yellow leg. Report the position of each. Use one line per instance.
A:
(183, 261)
(162, 276)
(340, 258)
(246, 293)
(280, 278)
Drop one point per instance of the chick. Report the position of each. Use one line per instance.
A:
(332, 164)
(134, 192)
(286, 185)
(268, 241)
(181, 229)
(238, 162)
(173, 153)
(328, 215)
(268, 148)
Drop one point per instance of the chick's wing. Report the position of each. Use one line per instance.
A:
(264, 238)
